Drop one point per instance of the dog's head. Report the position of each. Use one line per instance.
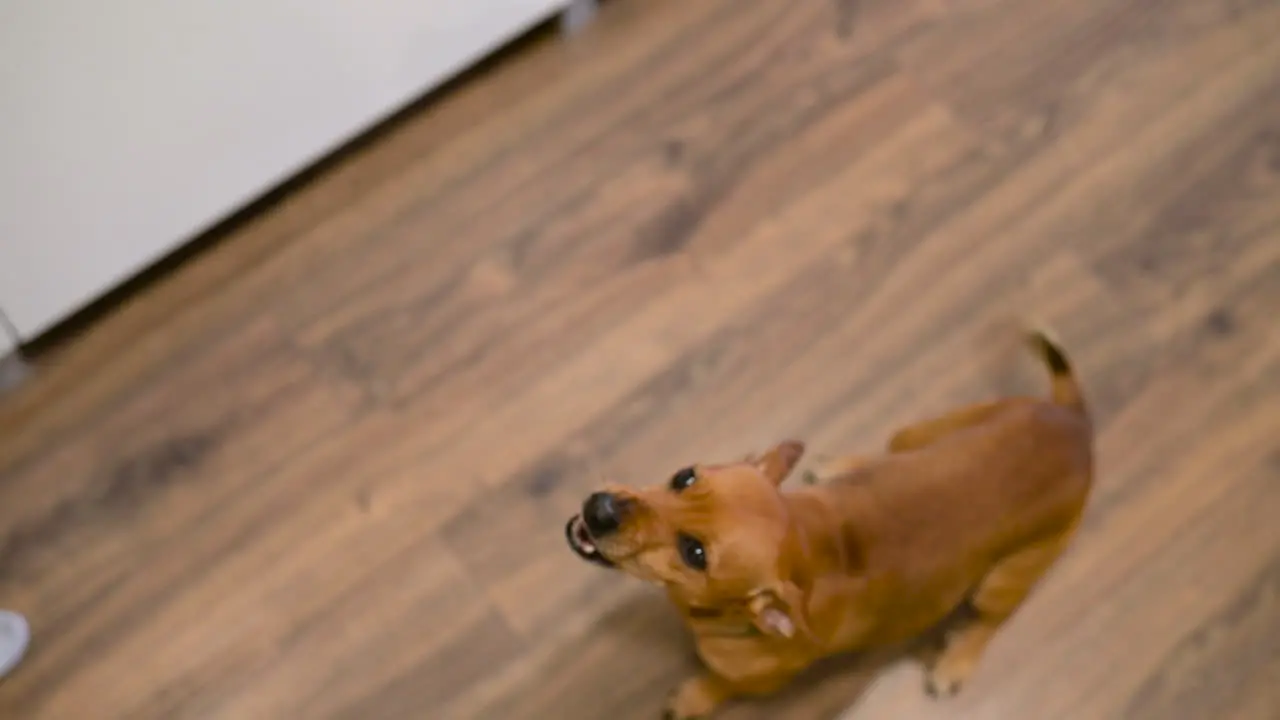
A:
(717, 537)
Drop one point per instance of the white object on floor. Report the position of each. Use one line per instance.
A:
(8, 335)
(577, 15)
(13, 371)
(15, 635)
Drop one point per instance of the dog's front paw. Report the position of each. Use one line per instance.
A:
(947, 675)
(958, 659)
(696, 699)
(941, 688)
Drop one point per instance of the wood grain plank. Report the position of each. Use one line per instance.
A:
(321, 468)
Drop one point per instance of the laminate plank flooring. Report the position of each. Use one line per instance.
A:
(320, 470)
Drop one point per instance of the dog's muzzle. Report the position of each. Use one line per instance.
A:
(580, 540)
(601, 515)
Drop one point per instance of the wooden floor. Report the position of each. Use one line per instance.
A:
(321, 471)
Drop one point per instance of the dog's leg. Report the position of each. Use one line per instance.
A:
(918, 435)
(997, 597)
(697, 697)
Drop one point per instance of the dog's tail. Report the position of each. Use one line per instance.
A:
(1065, 388)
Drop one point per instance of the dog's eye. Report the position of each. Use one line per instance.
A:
(692, 552)
(683, 479)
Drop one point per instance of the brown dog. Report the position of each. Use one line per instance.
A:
(966, 511)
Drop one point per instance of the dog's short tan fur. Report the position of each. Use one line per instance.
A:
(969, 509)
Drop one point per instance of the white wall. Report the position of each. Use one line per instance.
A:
(127, 127)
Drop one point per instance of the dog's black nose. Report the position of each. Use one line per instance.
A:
(602, 513)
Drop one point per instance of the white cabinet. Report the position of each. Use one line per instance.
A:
(128, 127)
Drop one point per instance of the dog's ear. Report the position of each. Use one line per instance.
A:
(779, 461)
(779, 611)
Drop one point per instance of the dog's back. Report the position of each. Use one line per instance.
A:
(929, 519)
(1025, 470)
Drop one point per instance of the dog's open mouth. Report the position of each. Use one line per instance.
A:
(575, 531)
